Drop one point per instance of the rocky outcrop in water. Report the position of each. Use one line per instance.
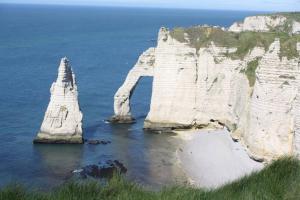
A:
(96, 142)
(208, 77)
(105, 169)
(63, 119)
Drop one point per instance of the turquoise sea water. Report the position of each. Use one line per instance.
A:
(102, 45)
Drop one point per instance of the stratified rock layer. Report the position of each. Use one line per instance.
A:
(270, 130)
(63, 119)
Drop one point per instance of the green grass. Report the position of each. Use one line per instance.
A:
(280, 180)
(287, 26)
(199, 37)
(291, 15)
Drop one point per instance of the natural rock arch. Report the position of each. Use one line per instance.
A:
(143, 67)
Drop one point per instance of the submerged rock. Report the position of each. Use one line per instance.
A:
(103, 170)
(63, 119)
(125, 119)
(95, 142)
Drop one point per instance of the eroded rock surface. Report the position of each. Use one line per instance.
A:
(63, 119)
(270, 131)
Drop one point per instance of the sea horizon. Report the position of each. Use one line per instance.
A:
(140, 7)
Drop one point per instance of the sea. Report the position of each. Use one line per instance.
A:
(102, 44)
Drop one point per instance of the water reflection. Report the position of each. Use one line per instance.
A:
(163, 167)
(129, 147)
(149, 157)
(58, 161)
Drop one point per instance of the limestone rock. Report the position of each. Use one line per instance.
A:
(296, 27)
(63, 119)
(193, 88)
(143, 67)
(270, 131)
(258, 23)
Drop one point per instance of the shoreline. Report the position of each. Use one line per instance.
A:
(210, 158)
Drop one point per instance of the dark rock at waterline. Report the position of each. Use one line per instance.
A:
(96, 142)
(102, 170)
(57, 141)
(121, 119)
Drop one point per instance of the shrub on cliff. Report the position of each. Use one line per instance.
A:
(199, 37)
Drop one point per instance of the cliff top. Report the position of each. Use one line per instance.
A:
(289, 15)
(244, 41)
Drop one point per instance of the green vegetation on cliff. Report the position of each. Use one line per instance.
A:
(287, 26)
(280, 180)
(291, 15)
(250, 71)
(200, 36)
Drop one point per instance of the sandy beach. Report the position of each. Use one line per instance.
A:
(210, 158)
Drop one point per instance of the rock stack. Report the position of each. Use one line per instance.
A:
(63, 119)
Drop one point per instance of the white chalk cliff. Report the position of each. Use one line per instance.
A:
(296, 27)
(258, 23)
(267, 23)
(63, 119)
(195, 88)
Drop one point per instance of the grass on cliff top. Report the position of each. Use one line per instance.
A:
(280, 180)
(291, 16)
(287, 26)
(198, 37)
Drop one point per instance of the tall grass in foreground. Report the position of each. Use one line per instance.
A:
(280, 180)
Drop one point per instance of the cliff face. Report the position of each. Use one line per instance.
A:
(285, 21)
(200, 80)
(258, 23)
(63, 119)
(270, 130)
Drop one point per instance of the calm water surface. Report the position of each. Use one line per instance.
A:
(102, 44)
